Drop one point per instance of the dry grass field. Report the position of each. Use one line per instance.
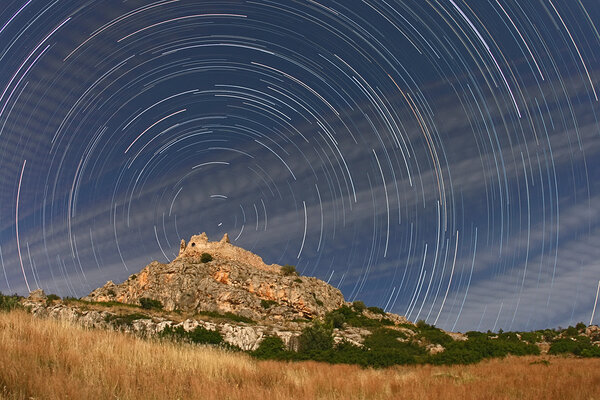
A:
(46, 359)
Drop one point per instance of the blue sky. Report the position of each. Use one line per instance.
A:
(437, 159)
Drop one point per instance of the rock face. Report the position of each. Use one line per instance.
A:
(235, 280)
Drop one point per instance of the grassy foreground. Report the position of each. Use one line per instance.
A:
(47, 359)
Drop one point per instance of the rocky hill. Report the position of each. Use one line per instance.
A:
(220, 294)
(221, 277)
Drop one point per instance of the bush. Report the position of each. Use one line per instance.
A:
(384, 338)
(288, 270)
(205, 257)
(203, 335)
(124, 319)
(531, 337)
(580, 346)
(359, 306)
(376, 310)
(580, 326)
(50, 298)
(336, 318)
(385, 349)
(571, 331)
(350, 316)
(433, 334)
(228, 315)
(9, 303)
(149, 304)
(478, 347)
(548, 334)
(316, 337)
(592, 351)
(199, 335)
(271, 347)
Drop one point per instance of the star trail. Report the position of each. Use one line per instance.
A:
(437, 158)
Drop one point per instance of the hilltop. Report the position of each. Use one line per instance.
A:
(221, 277)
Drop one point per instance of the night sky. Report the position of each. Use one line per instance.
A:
(436, 158)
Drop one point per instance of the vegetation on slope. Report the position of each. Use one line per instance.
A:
(49, 359)
(387, 344)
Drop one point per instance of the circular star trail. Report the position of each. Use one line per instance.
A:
(438, 159)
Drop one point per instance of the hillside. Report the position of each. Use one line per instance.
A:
(219, 294)
(49, 359)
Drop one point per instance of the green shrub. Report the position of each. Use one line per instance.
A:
(432, 334)
(580, 326)
(9, 303)
(548, 334)
(267, 303)
(316, 337)
(376, 310)
(384, 338)
(571, 331)
(173, 333)
(205, 257)
(298, 280)
(478, 335)
(580, 346)
(479, 347)
(592, 351)
(336, 318)
(350, 316)
(50, 298)
(228, 315)
(124, 319)
(203, 335)
(149, 304)
(385, 349)
(531, 337)
(199, 335)
(359, 306)
(289, 270)
(271, 347)
(71, 300)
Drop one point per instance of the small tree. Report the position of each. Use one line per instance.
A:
(316, 337)
(289, 270)
(359, 306)
(205, 257)
(271, 347)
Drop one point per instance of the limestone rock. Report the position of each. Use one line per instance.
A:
(37, 295)
(235, 281)
(435, 348)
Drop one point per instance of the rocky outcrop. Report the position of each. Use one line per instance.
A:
(234, 280)
(244, 336)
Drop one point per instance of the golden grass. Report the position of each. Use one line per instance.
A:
(46, 359)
